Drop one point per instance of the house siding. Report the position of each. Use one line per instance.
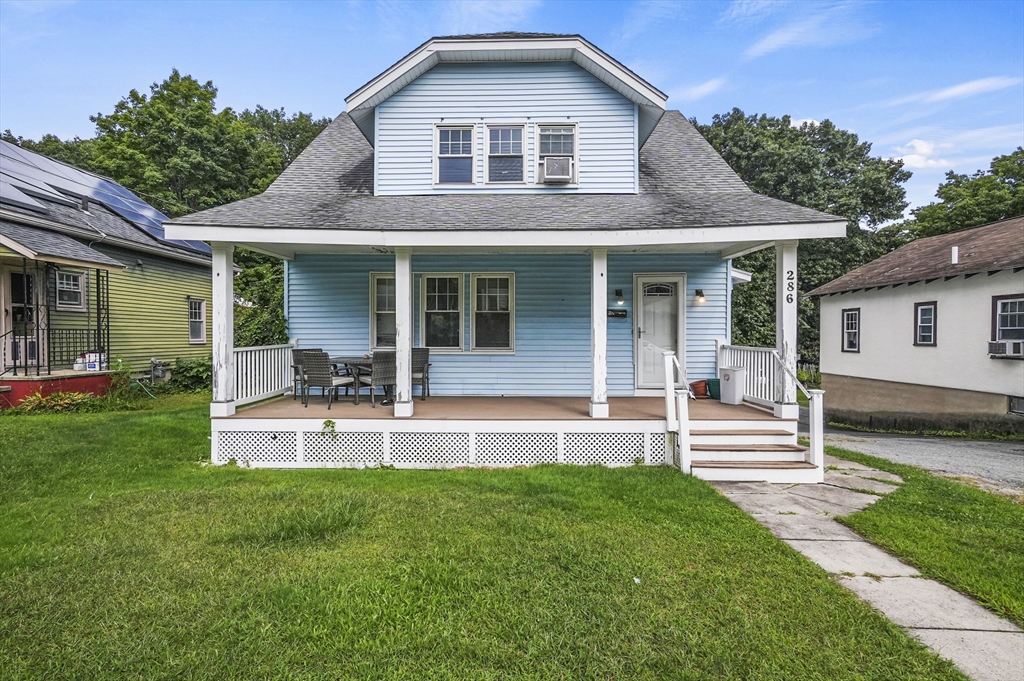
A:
(329, 296)
(529, 93)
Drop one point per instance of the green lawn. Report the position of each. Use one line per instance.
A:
(122, 555)
(965, 537)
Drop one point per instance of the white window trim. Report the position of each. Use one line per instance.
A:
(844, 313)
(539, 160)
(203, 312)
(461, 276)
(435, 153)
(82, 279)
(374, 276)
(918, 324)
(511, 350)
(487, 153)
(998, 327)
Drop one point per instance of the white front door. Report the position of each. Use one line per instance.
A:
(659, 325)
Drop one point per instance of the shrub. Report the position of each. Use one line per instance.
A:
(191, 375)
(56, 403)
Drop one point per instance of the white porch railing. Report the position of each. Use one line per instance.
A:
(262, 372)
(677, 414)
(766, 385)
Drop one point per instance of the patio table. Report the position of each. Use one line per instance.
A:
(360, 364)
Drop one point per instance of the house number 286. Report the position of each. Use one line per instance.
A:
(790, 285)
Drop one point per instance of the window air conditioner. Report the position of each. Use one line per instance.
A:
(1006, 348)
(557, 169)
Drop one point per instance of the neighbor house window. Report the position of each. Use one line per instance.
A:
(69, 291)
(455, 155)
(493, 312)
(1008, 318)
(382, 317)
(505, 155)
(851, 330)
(924, 323)
(196, 320)
(441, 322)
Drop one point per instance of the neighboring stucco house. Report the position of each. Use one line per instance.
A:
(85, 267)
(524, 206)
(930, 336)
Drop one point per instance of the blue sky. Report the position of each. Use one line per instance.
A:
(939, 84)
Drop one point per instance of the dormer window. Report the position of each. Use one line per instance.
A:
(455, 155)
(505, 154)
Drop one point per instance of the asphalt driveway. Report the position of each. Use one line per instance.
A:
(995, 461)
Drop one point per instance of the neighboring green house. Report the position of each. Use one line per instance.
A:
(85, 268)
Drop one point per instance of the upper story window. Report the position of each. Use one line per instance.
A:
(69, 291)
(1008, 318)
(851, 330)
(557, 143)
(924, 323)
(505, 154)
(454, 155)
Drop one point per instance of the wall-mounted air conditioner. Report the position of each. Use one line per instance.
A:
(1006, 348)
(557, 169)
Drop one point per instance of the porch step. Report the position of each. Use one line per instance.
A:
(742, 437)
(748, 448)
(786, 472)
(775, 465)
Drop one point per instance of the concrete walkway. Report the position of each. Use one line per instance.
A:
(981, 644)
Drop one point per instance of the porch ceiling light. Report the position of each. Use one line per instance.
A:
(700, 296)
(619, 299)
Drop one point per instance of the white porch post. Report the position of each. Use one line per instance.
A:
(403, 335)
(223, 330)
(599, 333)
(785, 325)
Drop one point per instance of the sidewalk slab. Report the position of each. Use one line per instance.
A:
(810, 527)
(856, 557)
(843, 464)
(856, 482)
(835, 500)
(877, 475)
(924, 604)
(982, 655)
(775, 504)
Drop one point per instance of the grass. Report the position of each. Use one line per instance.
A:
(123, 555)
(967, 538)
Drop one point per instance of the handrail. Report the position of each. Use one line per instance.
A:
(677, 414)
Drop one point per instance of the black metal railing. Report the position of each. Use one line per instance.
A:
(66, 345)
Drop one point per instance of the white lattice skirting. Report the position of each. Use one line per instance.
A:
(306, 443)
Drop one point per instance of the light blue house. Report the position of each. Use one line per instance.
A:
(526, 207)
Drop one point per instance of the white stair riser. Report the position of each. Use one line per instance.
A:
(789, 426)
(726, 440)
(778, 475)
(749, 456)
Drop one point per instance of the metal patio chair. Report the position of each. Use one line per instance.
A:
(382, 374)
(421, 370)
(317, 373)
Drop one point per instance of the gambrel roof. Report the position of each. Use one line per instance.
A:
(684, 183)
(988, 248)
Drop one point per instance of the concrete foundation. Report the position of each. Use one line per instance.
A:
(888, 405)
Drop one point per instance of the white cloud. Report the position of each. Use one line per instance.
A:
(973, 87)
(946, 150)
(796, 123)
(744, 10)
(701, 90)
(921, 154)
(820, 27)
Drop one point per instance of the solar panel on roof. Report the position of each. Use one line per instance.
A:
(26, 172)
(10, 194)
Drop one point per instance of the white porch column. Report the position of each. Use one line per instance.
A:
(785, 324)
(223, 330)
(403, 335)
(599, 333)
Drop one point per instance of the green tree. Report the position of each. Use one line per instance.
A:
(175, 149)
(972, 200)
(819, 166)
(289, 134)
(259, 293)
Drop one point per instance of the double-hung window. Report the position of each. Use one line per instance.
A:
(851, 330)
(493, 325)
(505, 154)
(441, 323)
(924, 323)
(559, 142)
(454, 155)
(196, 320)
(70, 295)
(1008, 318)
(382, 320)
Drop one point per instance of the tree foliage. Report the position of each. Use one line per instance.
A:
(972, 200)
(174, 148)
(819, 166)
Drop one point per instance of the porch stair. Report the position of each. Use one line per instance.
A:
(734, 451)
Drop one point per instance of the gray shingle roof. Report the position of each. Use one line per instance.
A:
(54, 245)
(987, 248)
(684, 183)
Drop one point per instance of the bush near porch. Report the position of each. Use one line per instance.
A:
(123, 555)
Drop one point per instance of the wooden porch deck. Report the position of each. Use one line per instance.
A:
(479, 408)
